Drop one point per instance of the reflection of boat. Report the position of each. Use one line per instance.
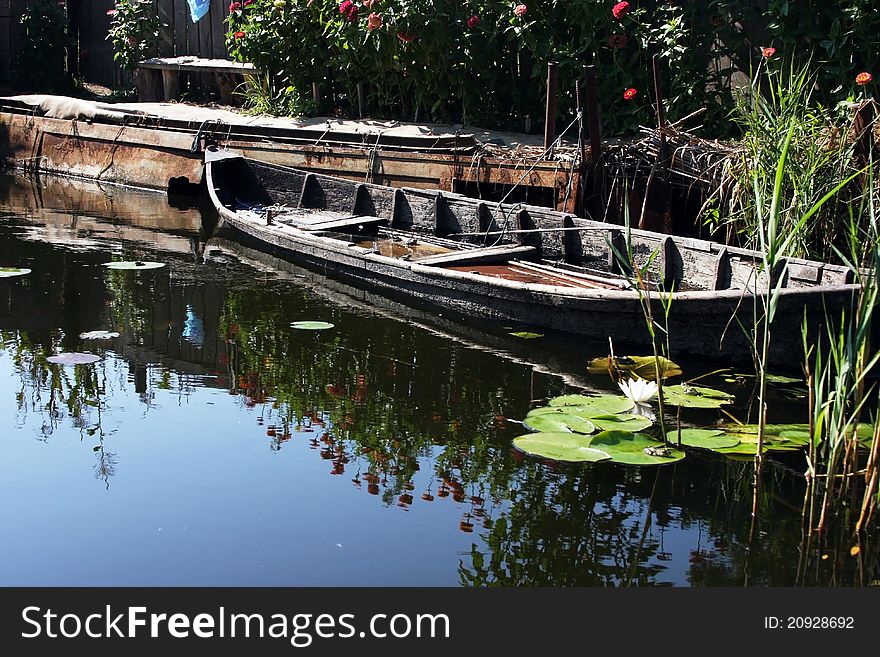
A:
(517, 263)
(557, 363)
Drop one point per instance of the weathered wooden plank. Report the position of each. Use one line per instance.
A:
(347, 222)
(478, 256)
(180, 16)
(197, 65)
(165, 9)
(218, 29)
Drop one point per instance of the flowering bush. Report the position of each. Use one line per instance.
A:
(135, 30)
(485, 61)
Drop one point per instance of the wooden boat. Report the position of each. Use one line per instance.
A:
(522, 264)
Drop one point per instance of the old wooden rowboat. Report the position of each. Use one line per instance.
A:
(522, 264)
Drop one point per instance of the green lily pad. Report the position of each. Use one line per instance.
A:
(558, 422)
(572, 447)
(621, 422)
(696, 396)
(751, 448)
(643, 366)
(133, 264)
(9, 272)
(601, 405)
(628, 448)
(705, 438)
(526, 335)
(312, 326)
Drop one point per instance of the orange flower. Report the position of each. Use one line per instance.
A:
(864, 78)
(629, 94)
(768, 52)
(239, 35)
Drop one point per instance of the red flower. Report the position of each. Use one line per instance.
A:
(234, 6)
(111, 12)
(618, 40)
(406, 37)
(864, 78)
(239, 35)
(352, 14)
(768, 52)
(344, 6)
(520, 10)
(374, 21)
(629, 94)
(473, 21)
(620, 10)
(246, 3)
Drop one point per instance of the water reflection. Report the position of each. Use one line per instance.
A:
(212, 418)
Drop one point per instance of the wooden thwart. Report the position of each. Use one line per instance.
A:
(346, 222)
(478, 256)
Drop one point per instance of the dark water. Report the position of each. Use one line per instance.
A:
(213, 444)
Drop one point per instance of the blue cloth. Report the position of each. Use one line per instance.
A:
(198, 8)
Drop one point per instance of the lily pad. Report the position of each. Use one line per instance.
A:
(705, 438)
(628, 448)
(558, 422)
(526, 335)
(98, 335)
(73, 358)
(750, 448)
(621, 422)
(643, 366)
(696, 396)
(601, 405)
(133, 264)
(312, 326)
(9, 272)
(572, 447)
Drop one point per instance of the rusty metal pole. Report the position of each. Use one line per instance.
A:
(550, 114)
(594, 126)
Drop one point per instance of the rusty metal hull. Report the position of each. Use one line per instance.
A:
(150, 156)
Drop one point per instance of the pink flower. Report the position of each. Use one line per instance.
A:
(406, 37)
(369, 3)
(768, 52)
(864, 78)
(246, 3)
(620, 10)
(473, 21)
(344, 6)
(111, 12)
(629, 94)
(234, 6)
(352, 14)
(374, 21)
(520, 10)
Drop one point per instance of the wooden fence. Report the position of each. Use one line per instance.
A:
(206, 38)
(91, 54)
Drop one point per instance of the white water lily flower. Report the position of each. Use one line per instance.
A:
(644, 410)
(638, 390)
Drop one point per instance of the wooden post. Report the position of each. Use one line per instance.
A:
(550, 113)
(594, 124)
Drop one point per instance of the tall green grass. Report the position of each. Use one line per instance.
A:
(779, 117)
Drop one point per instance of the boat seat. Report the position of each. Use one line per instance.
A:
(486, 255)
(344, 222)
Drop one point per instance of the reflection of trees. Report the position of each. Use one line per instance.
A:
(58, 393)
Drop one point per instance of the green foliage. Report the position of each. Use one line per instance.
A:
(425, 60)
(135, 30)
(41, 47)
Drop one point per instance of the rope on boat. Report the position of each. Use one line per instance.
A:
(194, 147)
(541, 157)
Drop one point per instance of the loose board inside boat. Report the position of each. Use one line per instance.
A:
(519, 263)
